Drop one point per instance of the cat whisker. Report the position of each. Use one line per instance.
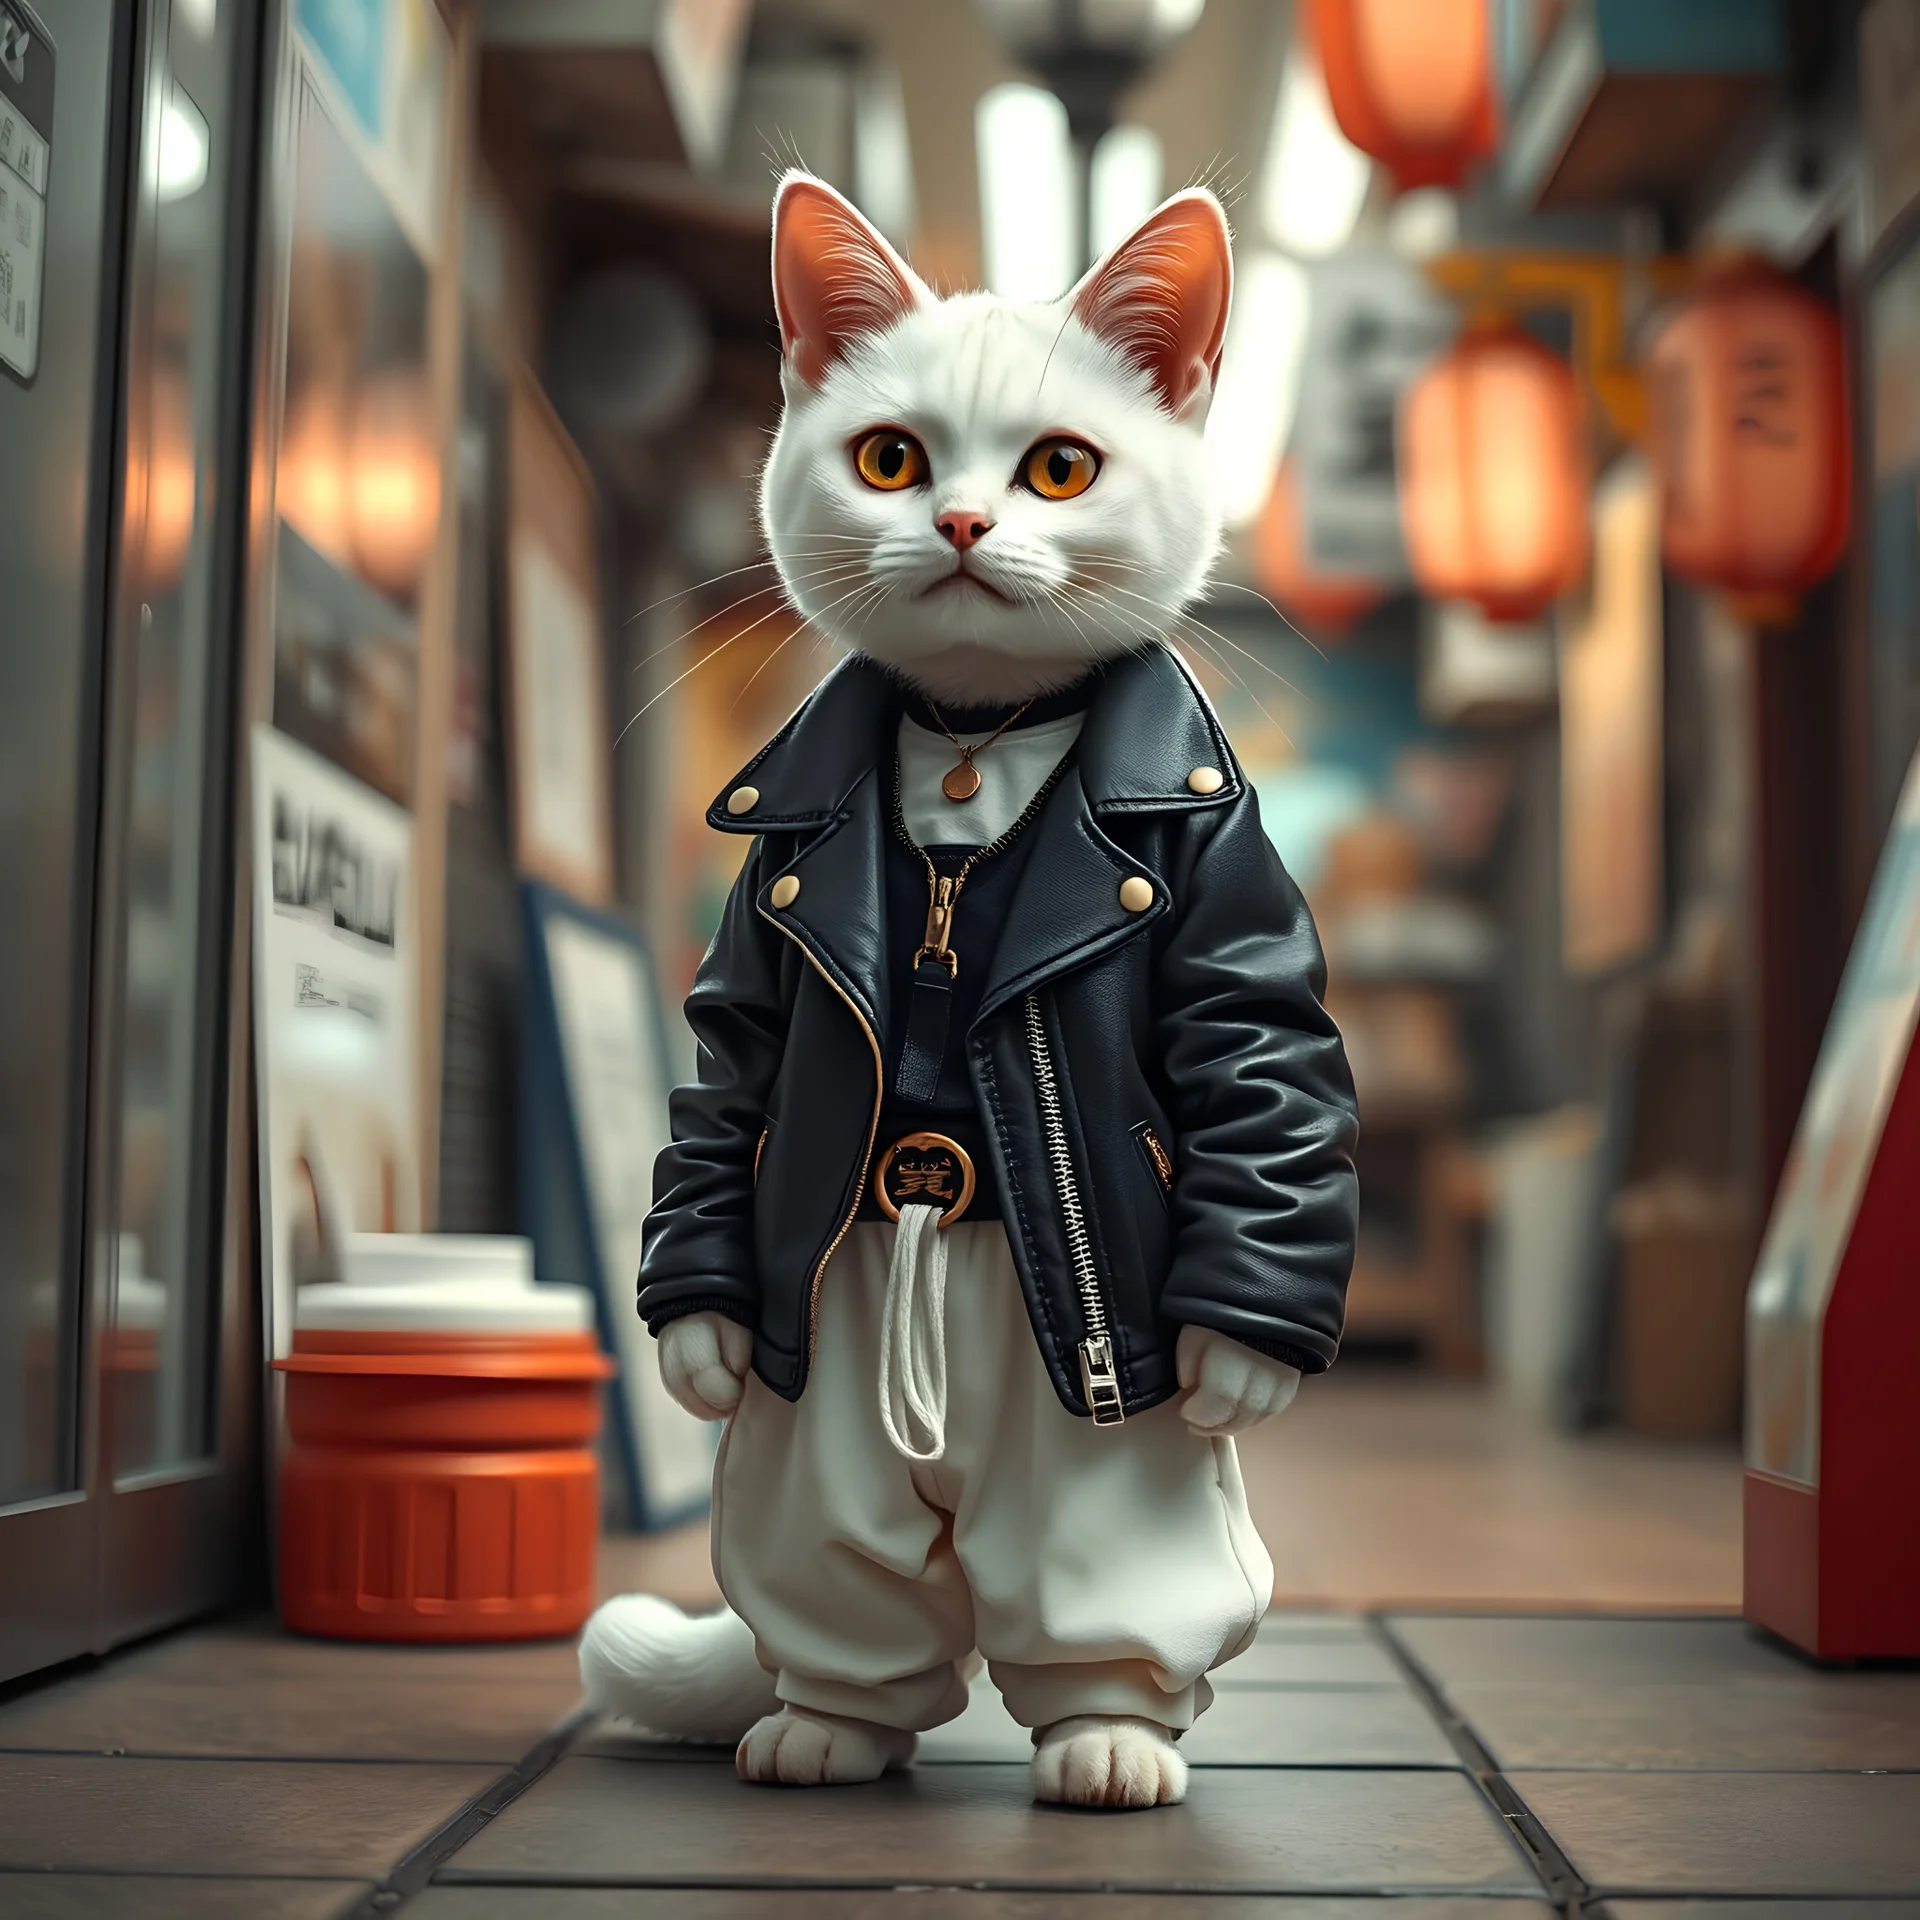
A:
(827, 576)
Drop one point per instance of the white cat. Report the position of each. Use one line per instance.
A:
(889, 510)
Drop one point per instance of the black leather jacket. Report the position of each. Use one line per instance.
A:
(1167, 1103)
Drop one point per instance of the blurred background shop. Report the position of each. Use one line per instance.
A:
(382, 389)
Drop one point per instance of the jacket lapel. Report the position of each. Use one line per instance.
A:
(839, 914)
(1066, 909)
(817, 779)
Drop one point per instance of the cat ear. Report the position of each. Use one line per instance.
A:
(834, 277)
(1161, 298)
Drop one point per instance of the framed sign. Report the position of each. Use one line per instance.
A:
(334, 1015)
(593, 1117)
(558, 750)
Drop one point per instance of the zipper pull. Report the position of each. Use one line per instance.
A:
(1100, 1382)
(941, 897)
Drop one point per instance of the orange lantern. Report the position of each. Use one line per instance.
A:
(1493, 474)
(1751, 438)
(392, 482)
(1411, 83)
(1326, 604)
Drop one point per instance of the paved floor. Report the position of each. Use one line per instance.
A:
(1366, 1749)
(1454, 1765)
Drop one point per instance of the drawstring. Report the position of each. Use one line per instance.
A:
(913, 1336)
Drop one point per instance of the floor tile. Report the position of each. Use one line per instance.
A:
(1312, 1623)
(1277, 1660)
(1241, 1830)
(134, 1896)
(928, 1903)
(261, 1649)
(354, 1715)
(1316, 1727)
(1797, 1724)
(1457, 1651)
(1761, 1910)
(1757, 1833)
(221, 1816)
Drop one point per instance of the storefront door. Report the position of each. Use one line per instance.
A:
(126, 1357)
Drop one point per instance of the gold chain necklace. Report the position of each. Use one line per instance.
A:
(962, 780)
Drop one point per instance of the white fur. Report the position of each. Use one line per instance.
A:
(703, 1362)
(978, 381)
(796, 1748)
(1093, 1762)
(675, 1675)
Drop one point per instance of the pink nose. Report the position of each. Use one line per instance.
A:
(962, 530)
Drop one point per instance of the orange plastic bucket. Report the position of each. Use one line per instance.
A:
(440, 1484)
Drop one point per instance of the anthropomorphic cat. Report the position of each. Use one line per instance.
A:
(1018, 1175)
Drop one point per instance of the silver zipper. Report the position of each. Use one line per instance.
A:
(1097, 1375)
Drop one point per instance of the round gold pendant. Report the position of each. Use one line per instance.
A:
(961, 782)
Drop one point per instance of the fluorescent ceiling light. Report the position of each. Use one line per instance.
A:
(1253, 407)
(184, 140)
(1026, 192)
(1127, 168)
(1314, 179)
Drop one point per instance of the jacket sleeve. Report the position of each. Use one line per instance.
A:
(697, 1246)
(1264, 1200)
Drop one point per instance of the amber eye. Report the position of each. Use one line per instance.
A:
(890, 460)
(1059, 469)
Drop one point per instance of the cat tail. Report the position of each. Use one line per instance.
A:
(679, 1676)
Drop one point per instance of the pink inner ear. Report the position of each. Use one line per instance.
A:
(834, 278)
(1161, 296)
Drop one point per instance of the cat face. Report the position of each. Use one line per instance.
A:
(988, 497)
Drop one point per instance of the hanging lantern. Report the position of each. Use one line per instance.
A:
(1325, 604)
(1411, 83)
(1493, 474)
(393, 482)
(1751, 439)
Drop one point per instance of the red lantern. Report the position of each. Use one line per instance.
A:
(1411, 83)
(1326, 604)
(1751, 438)
(1493, 474)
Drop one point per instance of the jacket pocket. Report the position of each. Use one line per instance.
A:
(1159, 1162)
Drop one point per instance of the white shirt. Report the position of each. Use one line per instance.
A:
(1011, 772)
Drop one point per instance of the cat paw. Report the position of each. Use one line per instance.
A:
(1093, 1762)
(793, 1748)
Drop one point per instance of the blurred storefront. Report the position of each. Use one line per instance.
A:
(382, 603)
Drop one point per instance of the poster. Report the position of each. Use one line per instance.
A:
(334, 1021)
(605, 1088)
(1373, 323)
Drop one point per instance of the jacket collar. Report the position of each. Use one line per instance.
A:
(1148, 728)
(821, 777)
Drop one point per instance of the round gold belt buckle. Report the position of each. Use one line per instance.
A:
(925, 1169)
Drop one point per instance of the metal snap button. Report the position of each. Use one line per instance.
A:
(1136, 895)
(786, 890)
(743, 799)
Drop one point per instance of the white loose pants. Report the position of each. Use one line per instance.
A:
(1098, 1569)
